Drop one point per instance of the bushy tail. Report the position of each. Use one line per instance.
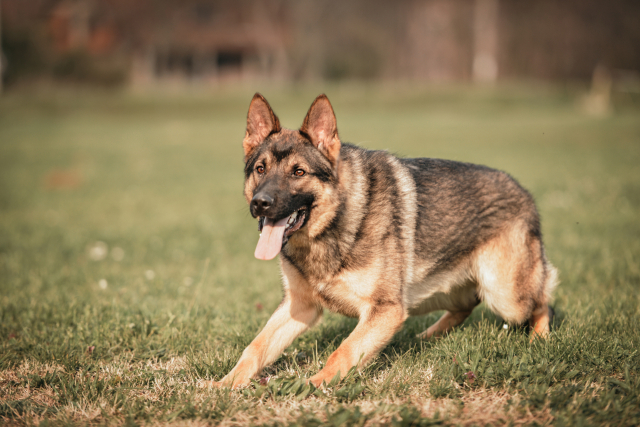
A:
(551, 281)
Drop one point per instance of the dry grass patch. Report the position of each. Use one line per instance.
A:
(12, 380)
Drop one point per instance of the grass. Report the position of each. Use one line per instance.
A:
(127, 272)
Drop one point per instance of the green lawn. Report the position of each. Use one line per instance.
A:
(127, 272)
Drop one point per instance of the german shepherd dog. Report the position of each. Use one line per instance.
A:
(380, 238)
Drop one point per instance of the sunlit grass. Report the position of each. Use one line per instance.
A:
(127, 272)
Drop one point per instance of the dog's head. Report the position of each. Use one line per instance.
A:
(290, 175)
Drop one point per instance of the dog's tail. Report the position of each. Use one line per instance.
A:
(551, 281)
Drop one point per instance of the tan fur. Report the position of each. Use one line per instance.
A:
(407, 188)
(296, 314)
(509, 272)
(506, 273)
(447, 322)
(368, 251)
(373, 332)
(540, 322)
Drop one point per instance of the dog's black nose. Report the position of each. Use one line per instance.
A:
(260, 203)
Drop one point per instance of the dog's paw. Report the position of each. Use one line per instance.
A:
(316, 382)
(322, 379)
(422, 336)
(429, 334)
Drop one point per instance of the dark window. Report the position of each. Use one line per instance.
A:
(229, 59)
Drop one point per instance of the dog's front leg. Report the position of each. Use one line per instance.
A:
(291, 318)
(374, 331)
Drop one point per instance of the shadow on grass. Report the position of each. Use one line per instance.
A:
(324, 339)
(337, 328)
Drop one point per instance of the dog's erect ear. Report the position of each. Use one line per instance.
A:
(321, 128)
(261, 122)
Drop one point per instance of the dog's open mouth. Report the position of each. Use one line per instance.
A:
(274, 234)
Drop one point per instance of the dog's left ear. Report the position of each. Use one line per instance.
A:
(261, 122)
(321, 128)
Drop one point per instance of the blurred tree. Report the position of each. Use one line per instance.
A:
(215, 41)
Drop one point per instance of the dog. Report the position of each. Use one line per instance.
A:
(380, 238)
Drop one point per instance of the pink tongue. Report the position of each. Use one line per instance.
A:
(270, 241)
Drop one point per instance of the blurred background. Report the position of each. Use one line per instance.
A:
(121, 125)
(152, 43)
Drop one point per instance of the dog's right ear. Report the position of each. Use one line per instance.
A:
(261, 122)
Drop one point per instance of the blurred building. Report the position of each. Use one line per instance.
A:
(145, 42)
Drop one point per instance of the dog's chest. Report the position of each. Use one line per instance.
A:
(350, 293)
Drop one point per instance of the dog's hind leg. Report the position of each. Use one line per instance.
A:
(540, 321)
(448, 321)
(515, 279)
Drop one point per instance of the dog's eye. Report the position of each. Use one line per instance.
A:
(260, 169)
(299, 172)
